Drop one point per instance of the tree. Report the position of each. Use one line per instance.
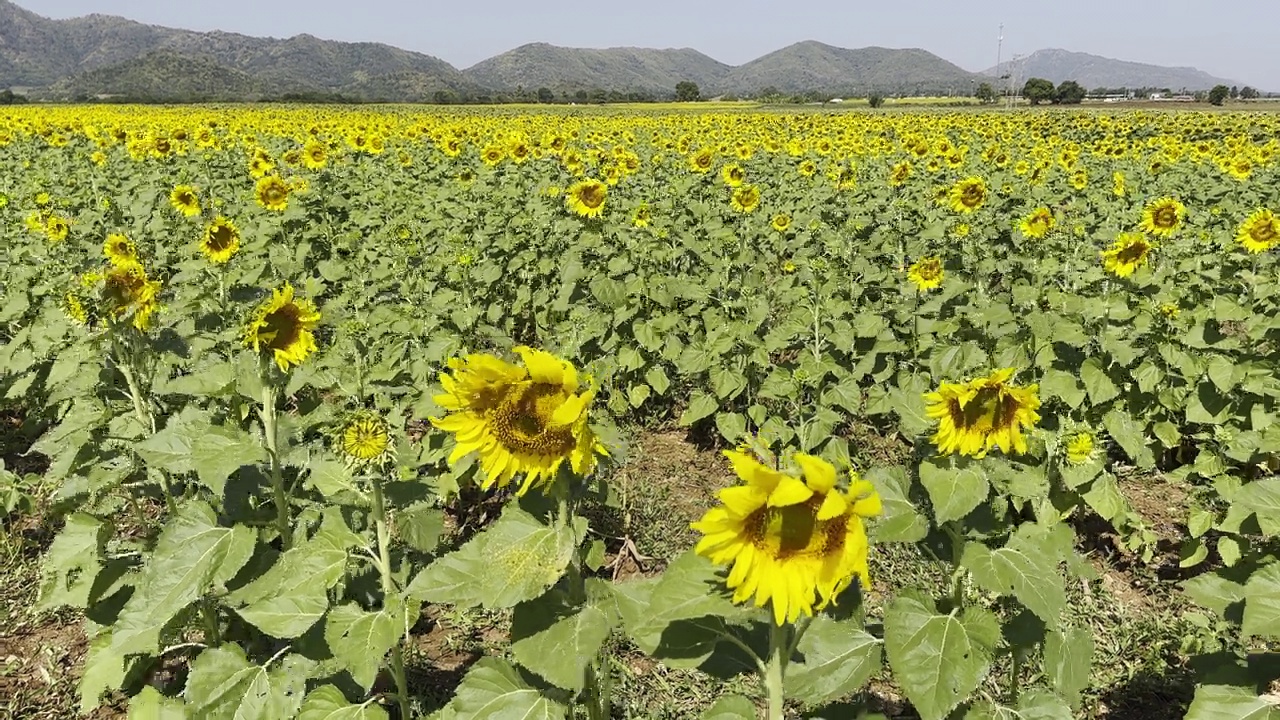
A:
(1218, 94)
(985, 94)
(687, 91)
(1248, 93)
(875, 100)
(1235, 92)
(7, 97)
(1038, 90)
(545, 95)
(1069, 92)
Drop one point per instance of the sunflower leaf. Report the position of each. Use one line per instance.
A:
(839, 658)
(327, 703)
(955, 489)
(515, 560)
(556, 639)
(495, 690)
(939, 660)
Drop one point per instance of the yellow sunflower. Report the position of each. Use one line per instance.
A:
(315, 155)
(899, 174)
(926, 273)
(273, 193)
(221, 240)
(119, 249)
(643, 216)
(968, 195)
(1163, 217)
(733, 175)
(746, 198)
(808, 168)
(1128, 253)
(702, 160)
(493, 154)
(1118, 187)
(984, 413)
(1260, 232)
(792, 542)
(781, 222)
(126, 293)
(518, 420)
(1037, 224)
(365, 438)
(185, 200)
(283, 325)
(56, 228)
(1079, 447)
(586, 198)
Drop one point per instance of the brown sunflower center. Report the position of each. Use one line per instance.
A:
(220, 238)
(990, 409)
(929, 270)
(1264, 232)
(282, 327)
(592, 196)
(1133, 252)
(186, 199)
(971, 195)
(123, 287)
(795, 530)
(274, 193)
(522, 421)
(1165, 217)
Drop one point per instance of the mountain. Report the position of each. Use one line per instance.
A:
(162, 75)
(38, 51)
(1093, 71)
(814, 66)
(562, 69)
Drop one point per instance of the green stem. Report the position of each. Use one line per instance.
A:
(389, 590)
(775, 670)
(142, 410)
(209, 613)
(958, 572)
(283, 524)
(1015, 675)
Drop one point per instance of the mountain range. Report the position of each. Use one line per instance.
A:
(102, 55)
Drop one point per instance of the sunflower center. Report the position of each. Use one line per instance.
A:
(991, 408)
(220, 238)
(522, 421)
(1165, 217)
(972, 195)
(281, 328)
(592, 196)
(795, 530)
(1132, 252)
(930, 270)
(274, 193)
(1264, 232)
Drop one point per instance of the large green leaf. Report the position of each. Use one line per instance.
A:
(193, 554)
(151, 705)
(839, 658)
(1261, 497)
(1130, 434)
(223, 684)
(1068, 655)
(939, 660)
(293, 594)
(901, 520)
(73, 562)
(557, 639)
(1023, 568)
(1228, 702)
(1096, 382)
(327, 703)
(1262, 603)
(360, 640)
(494, 690)
(515, 560)
(731, 707)
(954, 488)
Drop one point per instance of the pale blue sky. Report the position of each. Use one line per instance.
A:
(1235, 39)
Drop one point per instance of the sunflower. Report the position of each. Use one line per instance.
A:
(119, 249)
(642, 217)
(586, 198)
(273, 193)
(968, 195)
(1260, 232)
(1163, 217)
(808, 168)
(365, 438)
(982, 414)
(57, 228)
(1128, 253)
(781, 222)
(185, 200)
(221, 240)
(701, 161)
(1169, 310)
(519, 420)
(795, 542)
(745, 198)
(315, 155)
(926, 273)
(1079, 179)
(899, 174)
(75, 309)
(493, 154)
(1079, 447)
(284, 326)
(1118, 184)
(126, 293)
(1037, 224)
(733, 175)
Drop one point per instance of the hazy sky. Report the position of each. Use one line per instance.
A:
(1234, 39)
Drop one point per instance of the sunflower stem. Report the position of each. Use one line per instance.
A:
(776, 670)
(142, 410)
(1015, 675)
(283, 525)
(389, 589)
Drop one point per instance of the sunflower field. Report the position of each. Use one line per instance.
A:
(289, 385)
